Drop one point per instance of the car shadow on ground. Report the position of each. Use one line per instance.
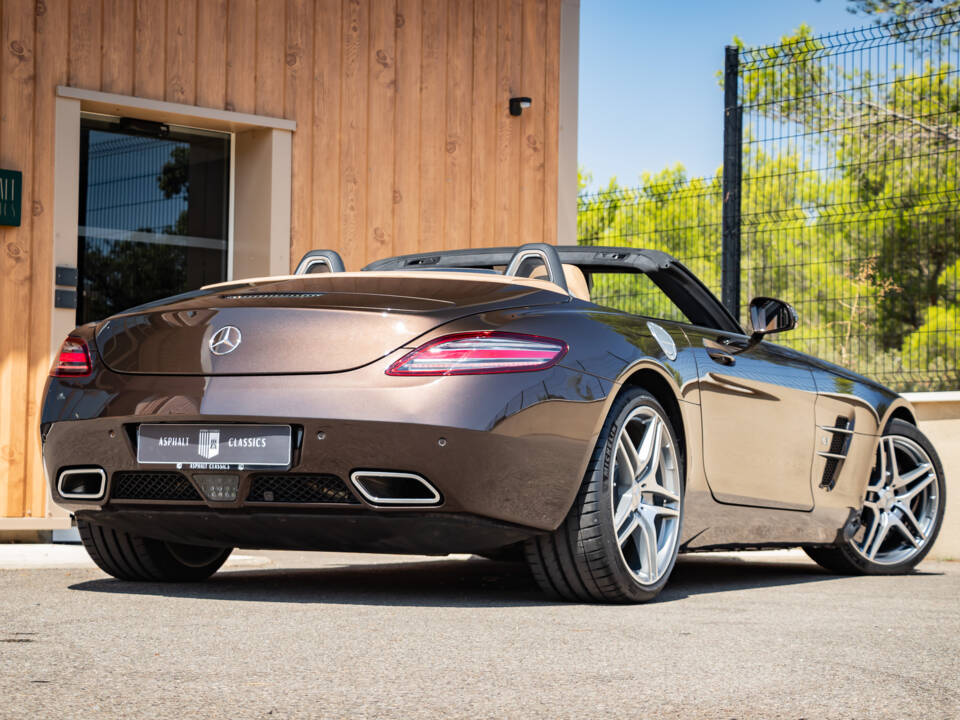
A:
(473, 582)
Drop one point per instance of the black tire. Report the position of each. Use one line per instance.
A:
(581, 561)
(842, 558)
(135, 558)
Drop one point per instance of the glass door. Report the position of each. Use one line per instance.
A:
(154, 208)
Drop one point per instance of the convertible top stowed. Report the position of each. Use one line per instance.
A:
(680, 285)
(588, 259)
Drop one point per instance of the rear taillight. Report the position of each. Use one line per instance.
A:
(74, 359)
(479, 353)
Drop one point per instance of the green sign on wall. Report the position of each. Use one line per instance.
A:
(11, 193)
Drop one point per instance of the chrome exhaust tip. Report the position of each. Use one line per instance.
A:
(82, 483)
(380, 487)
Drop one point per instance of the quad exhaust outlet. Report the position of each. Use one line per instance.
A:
(380, 487)
(82, 483)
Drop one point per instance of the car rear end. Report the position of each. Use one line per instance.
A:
(391, 412)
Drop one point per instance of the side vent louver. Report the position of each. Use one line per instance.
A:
(842, 431)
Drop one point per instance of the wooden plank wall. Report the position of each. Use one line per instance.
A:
(403, 143)
(402, 111)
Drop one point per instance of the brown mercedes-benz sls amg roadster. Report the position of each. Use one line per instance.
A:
(593, 409)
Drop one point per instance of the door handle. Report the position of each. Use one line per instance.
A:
(719, 353)
(724, 358)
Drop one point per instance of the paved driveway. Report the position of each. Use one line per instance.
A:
(352, 636)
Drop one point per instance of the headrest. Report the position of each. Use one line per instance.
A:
(576, 282)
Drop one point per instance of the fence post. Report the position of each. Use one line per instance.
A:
(732, 160)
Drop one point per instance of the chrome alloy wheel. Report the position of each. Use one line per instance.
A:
(646, 495)
(900, 509)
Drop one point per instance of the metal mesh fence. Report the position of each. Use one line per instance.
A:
(849, 197)
(680, 216)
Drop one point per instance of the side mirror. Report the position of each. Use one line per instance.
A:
(769, 315)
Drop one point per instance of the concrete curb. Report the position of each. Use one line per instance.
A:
(37, 556)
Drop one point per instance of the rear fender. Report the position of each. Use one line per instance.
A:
(687, 412)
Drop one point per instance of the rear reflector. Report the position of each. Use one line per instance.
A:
(74, 359)
(481, 353)
(218, 488)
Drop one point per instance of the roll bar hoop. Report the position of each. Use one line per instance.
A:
(329, 258)
(551, 261)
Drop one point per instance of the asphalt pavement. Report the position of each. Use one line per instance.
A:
(325, 635)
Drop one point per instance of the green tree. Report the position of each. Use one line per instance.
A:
(114, 279)
(174, 181)
(898, 8)
(894, 143)
(857, 226)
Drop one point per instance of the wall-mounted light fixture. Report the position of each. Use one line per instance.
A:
(518, 105)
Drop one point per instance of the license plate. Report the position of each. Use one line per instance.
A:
(214, 446)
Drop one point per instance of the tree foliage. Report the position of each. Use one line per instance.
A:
(850, 211)
(898, 8)
(174, 181)
(114, 279)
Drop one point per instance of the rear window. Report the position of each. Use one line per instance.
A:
(633, 293)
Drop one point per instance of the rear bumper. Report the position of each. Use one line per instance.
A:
(417, 533)
(504, 449)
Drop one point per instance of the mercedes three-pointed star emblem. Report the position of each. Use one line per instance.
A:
(225, 340)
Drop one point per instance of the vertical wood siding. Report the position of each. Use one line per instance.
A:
(404, 142)
(18, 401)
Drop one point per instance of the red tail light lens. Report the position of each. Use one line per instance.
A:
(74, 359)
(481, 353)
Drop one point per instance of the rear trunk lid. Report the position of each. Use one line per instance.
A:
(309, 324)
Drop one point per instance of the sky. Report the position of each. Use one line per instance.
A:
(649, 96)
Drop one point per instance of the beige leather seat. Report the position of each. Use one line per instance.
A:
(576, 282)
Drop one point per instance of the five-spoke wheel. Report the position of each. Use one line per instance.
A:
(646, 494)
(902, 503)
(619, 541)
(902, 509)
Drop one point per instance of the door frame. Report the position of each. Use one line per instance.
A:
(231, 138)
(259, 227)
